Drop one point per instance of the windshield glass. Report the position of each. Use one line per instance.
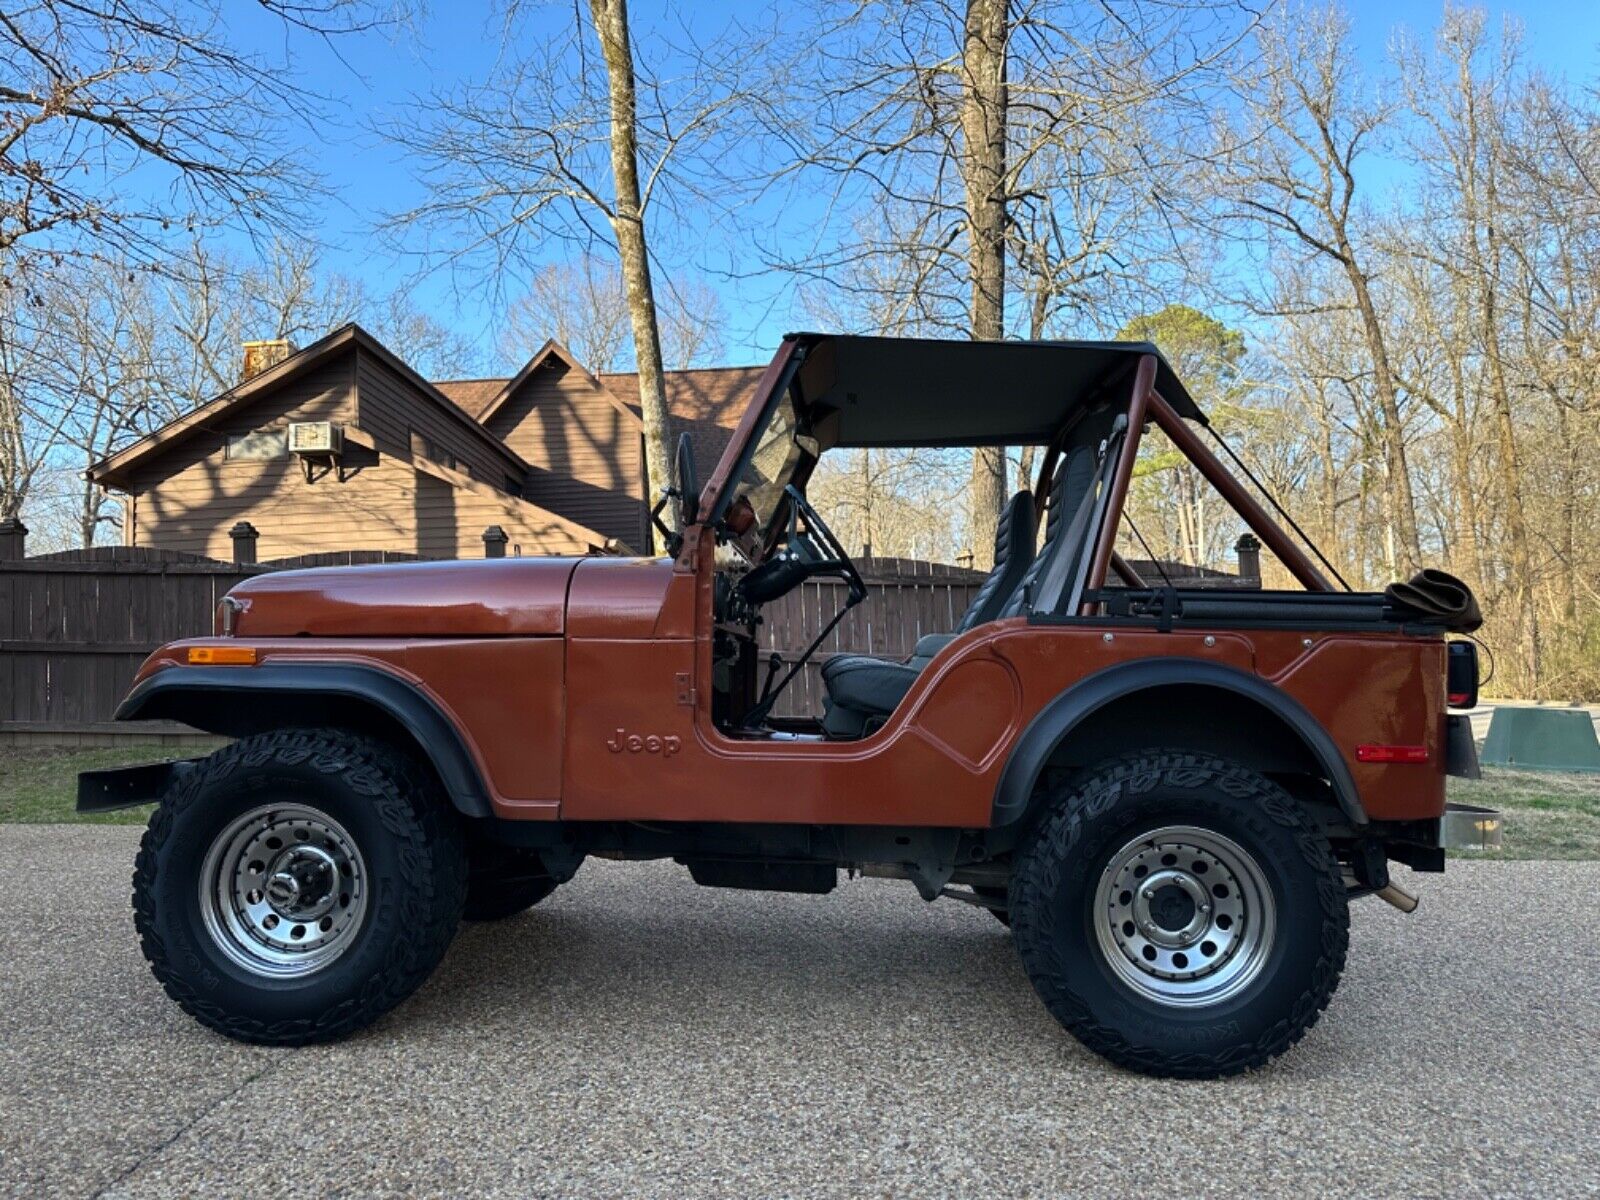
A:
(773, 463)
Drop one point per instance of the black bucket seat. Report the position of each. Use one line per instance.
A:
(863, 690)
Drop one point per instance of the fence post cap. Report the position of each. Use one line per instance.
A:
(495, 534)
(1247, 541)
(13, 537)
(242, 529)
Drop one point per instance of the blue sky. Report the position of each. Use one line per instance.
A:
(372, 76)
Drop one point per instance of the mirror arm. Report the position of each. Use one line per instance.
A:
(671, 539)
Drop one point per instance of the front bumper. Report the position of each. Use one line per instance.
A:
(125, 787)
(1468, 827)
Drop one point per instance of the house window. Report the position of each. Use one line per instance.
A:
(257, 444)
(422, 446)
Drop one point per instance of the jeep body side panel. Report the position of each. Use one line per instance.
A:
(501, 700)
(641, 744)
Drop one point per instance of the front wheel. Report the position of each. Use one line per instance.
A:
(296, 885)
(1181, 915)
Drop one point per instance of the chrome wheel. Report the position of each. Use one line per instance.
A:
(1184, 915)
(283, 890)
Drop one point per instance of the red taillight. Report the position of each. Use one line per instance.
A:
(1391, 754)
(1459, 699)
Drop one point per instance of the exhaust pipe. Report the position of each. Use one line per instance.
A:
(1399, 897)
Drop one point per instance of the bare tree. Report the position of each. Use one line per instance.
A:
(558, 149)
(121, 122)
(583, 305)
(30, 429)
(893, 503)
(1462, 99)
(1291, 172)
(942, 122)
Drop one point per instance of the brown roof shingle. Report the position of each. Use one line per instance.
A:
(470, 394)
(706, 403)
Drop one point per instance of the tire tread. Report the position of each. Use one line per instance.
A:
(1037, 876)
(432, 875)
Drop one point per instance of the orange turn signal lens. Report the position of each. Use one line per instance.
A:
(222, 656)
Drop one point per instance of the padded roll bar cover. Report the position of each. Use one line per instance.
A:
(1057, 719)
(237, 701)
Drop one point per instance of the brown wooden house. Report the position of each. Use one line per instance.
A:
(343, 445)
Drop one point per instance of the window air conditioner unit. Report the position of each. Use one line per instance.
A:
(315, 437)
(312, 440)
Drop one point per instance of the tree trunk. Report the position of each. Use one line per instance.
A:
(611, 25)
(1328, 486)
(983, 166)
(1397, 473)
(1521, 558)
(1463, 495)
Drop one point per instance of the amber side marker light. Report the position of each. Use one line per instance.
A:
(1391, 754)
(222, 656)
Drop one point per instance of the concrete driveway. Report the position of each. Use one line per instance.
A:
(639, 1036)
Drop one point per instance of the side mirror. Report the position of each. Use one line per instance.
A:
(687, 483)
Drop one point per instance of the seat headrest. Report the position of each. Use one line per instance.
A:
(1016, 528)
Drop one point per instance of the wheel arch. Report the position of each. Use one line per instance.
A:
(1185, 702)
(239, 701)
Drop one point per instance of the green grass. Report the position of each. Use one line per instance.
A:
(42, 785)
(1547, 814)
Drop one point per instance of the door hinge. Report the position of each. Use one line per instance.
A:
(685, 682)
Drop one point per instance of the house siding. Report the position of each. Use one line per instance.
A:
(385, 504)
(188, 497)
(588, 451)
(390, 408)
(191, 495)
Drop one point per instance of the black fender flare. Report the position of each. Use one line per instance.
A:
(237, 701)
(1058, 718)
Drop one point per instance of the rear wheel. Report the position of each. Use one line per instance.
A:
(1181, 915)
(297, 885)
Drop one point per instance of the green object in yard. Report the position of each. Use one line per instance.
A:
(1542, 739)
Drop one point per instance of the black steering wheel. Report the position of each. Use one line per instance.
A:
(809, 551)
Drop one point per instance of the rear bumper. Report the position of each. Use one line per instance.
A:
(1468, 827)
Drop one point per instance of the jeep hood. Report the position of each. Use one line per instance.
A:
(509, 597)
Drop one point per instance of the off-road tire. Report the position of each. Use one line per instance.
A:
(1053, 906)
(503, 881)
(412, 845)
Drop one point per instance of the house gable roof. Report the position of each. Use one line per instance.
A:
(112, 469)
(552, 350)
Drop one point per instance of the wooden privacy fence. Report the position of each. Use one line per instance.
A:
(906, 599)
(75, 626)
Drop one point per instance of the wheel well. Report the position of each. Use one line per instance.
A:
(1213, 710)
(369, 703)
(1188, 716)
